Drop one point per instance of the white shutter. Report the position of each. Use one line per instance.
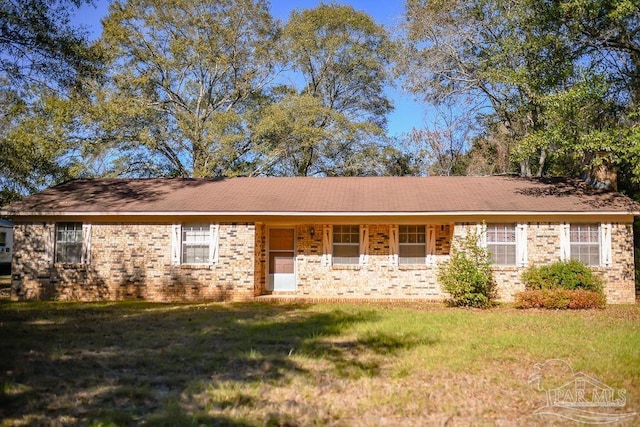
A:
(50, 236)
(521, 245)
(176, 232)
(605, 245)
(481, 232)
(364, 244)
(86, 243)
(394, 244)
(431, 244)
(327, 244)
(214, 240)
(565, 242)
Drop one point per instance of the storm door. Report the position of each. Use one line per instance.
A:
(282, 271)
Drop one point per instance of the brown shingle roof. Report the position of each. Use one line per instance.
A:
(323, 195)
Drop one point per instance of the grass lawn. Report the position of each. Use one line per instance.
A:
(5, 286)
(318, 364)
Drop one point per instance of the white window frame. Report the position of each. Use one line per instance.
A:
(520, 242)
(427, 232)
(359, 244)
(591, 245)
(3, 239)
(491, 231)
(604, 234)
(177, 243)
(84, 241)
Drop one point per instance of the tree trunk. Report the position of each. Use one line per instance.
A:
(525, 168)
(604, 175)
(541, 162)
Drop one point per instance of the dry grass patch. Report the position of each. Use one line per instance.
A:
(294, 364)
(5, 287)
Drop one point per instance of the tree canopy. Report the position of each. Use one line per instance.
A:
(337, 110)
(557, 82)
(190, 74)
(221, 88)
(44, 61)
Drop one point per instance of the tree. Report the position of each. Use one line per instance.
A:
(44, 63)
(559, 77)
(28, 158)
(490, 152)
(608, 31)
(39, 44)
(442, 143)
(188, 76)
(339, 108)
(501, 56)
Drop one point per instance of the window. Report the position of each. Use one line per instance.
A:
(3, 239)
(346, 244)
(195, 244)
(585, 243)
(501, 243)
(412, 244)
(68, 243)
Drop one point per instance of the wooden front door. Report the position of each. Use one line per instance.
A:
(282, 268)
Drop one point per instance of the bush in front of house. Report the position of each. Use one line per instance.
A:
(560, 299)
(566, 275)
(467, 275)
(561, 285)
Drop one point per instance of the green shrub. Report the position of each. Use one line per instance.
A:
(467, 275)
(560, 299)
(564, 275)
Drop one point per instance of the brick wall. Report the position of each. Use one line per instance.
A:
(543, 247)
(379, 278)
(620, 277)
(132, 261)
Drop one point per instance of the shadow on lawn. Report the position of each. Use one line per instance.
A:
(130, 363)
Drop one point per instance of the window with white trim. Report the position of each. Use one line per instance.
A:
(346, 244)
(585, 243)
(68, 243)
(412, 242)
(3, 239)
(194, 244)
(501, 243)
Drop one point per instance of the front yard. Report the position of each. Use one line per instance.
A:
(299, 364)
(5, 287)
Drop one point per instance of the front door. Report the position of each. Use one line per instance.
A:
(282, 276)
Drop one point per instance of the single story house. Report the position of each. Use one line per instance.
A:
(317, 238)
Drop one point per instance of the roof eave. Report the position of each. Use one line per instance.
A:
(310, 213)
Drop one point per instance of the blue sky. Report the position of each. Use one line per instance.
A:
(407, 114)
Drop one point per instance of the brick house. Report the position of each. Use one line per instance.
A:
(318, 238)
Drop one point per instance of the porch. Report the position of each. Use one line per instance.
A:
(328, 262)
